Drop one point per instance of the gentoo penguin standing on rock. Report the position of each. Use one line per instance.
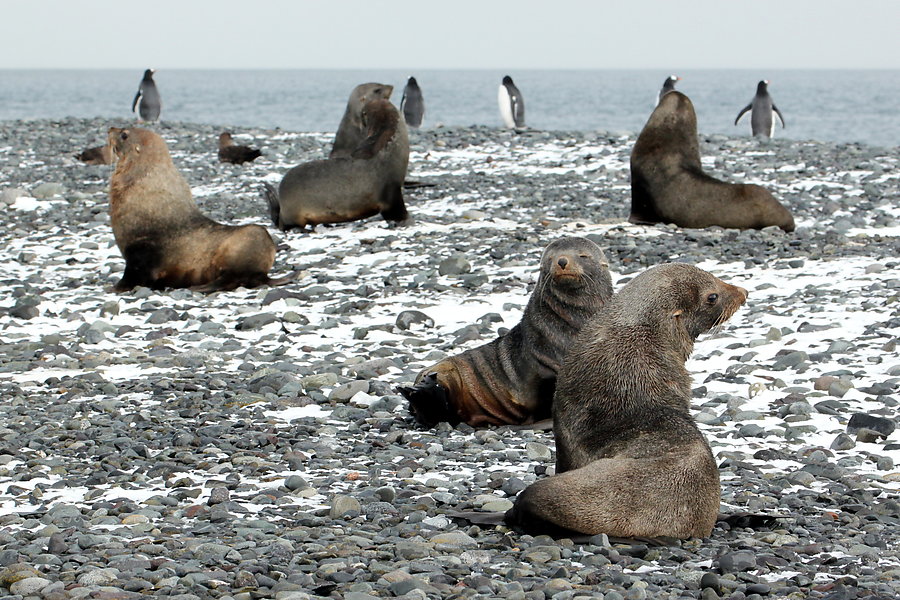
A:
(668, 86)
(412, 105)
(148, 96)
(512, 105)
(762, 121)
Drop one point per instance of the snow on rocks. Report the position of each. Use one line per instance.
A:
(251, 443)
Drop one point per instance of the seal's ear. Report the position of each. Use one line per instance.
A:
(677, 313)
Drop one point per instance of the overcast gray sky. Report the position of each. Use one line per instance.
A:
(459, 34)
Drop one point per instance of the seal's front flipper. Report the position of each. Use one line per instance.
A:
(429, 402)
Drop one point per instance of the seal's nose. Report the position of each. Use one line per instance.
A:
(743, 293)
(562, 262)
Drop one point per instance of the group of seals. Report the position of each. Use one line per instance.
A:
(762, 119)
(342, 188)
(165, 239)
(147, 102)
(511, 379)
(668, 184)
(630, 459)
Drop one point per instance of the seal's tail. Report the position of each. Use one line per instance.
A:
(271, 195)
(429, 402)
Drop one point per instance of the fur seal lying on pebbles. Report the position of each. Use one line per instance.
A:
(165, 239)
(351, 132)
(101, 155)
(348, 189)
(232, 153)
(668, 184)
(630, 461)
(511, 379)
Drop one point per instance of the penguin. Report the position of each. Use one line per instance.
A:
(412, 105)
(148, 96)
(512, 105)
(762, 121)
(667, 86)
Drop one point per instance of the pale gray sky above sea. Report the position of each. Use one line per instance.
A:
(461, 34)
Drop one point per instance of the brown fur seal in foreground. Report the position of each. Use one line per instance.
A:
(668, 184)
(348, 189)
(101, 155)
(232, 153)
(165, 239)
(630, 461)
(352, 131)
(510, 380)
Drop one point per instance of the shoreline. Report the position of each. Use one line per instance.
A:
(252, 444)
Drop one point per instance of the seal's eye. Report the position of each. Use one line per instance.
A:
(124, 135)
(712, 298)
(584, 256)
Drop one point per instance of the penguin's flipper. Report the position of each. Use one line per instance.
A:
(741, 114)
(778, 112)
(137, 98)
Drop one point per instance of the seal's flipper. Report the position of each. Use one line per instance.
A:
(271, 195)
(429, 402)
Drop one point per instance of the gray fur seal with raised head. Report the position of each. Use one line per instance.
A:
(510, 380)
(630, 461)
(336, 190)
(668, 184)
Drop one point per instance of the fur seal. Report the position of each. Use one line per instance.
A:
(101, 155)
(512, 104)
(630, 461)
(668, 86)
(165, 239)
(510, 380)
(337, 190)
(351, 132)
(762, 121)
(668, 184)
(147, 102)
(412, 105)
(232, 153)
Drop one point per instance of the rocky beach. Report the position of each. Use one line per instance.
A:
(251, 444)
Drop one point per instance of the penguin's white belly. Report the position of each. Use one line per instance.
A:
(506, 107)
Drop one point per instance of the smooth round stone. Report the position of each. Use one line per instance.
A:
(29, 586)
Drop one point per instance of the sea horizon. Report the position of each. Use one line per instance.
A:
(830, 105)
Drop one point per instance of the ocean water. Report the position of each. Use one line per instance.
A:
(838, 106)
